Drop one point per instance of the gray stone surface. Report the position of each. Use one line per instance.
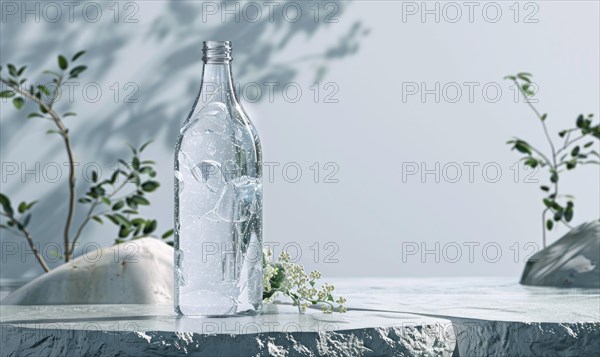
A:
(571, 261)
(396, 317)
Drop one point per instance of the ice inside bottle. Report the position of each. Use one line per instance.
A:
(218, 199)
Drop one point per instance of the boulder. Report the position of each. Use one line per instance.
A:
(572, 261)
(135, 272)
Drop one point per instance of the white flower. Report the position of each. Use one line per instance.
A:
(300, 286)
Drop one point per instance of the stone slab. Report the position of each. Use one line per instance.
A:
(395, 317)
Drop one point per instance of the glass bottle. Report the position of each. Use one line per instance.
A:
(218, 199)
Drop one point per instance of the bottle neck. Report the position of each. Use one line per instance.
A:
(217, 83)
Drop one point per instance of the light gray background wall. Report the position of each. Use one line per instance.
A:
(371, 54)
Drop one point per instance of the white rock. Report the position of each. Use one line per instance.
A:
(572, 261)
(136, 272)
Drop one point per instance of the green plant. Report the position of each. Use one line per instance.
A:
(566, 156)
(291, 280)
(135, 175)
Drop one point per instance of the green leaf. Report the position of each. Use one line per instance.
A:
(35, 115)
(522, 147)
(124, 231)
(69, 114)
(26, 220)
(5, 202)
(77, 71)
(94, 176)
(124, 163)
(547, 202)
(146, 170)
(21, 70)
(524, 74)
(135, 163)
(12, 70)
(580, 121)
(31, 204)
(554, 177)
(54, 132)
(569, 213)
(575, 151)
(84, 200)
(150, 186)
(587, 145)
(117, 206)
(18, 102)
(7, 94)
(558, 215)
(150, 226)
(106, 201)
(145, 145)
(140, 200)
(167, 234)
(512, 78)
(531, 162)
(545, 188)
(44, 90)
(52, 73)
(22, 207)
(118, 219)
(544, 116)
(562, 133)
(133, 149)
(77, 55)
(62, 62)
(114, 176)
(138, 222)
(98, 219)
(129, 211)
(549, 224)
(131, 203)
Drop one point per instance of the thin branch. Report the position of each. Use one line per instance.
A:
(67, 141)
(544, 227)
(541, 120)
(90, 213)
(29, 239)
(55, 94)
(541, 154)
(568, 143)
(83, 224)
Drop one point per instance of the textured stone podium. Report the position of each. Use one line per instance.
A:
(395, 317)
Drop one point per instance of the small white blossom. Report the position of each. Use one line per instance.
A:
(301, 287)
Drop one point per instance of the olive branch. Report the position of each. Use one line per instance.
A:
(565, 156)
(101, 198)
